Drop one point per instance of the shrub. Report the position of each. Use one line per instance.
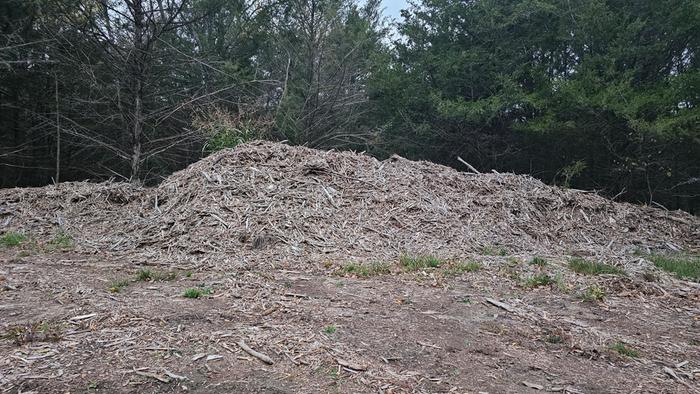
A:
(223, 129)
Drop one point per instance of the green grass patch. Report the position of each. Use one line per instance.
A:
(61, 240)
(462, 267)
(552, 338)
(146, 275)
(685, 267)
(624, 350)
(539, 280)
(494, 251)
(36, 332)
(11, 239)
(366, 270)
(538, 261)
(330, 329)
(119, 285)
(414, 263)
(582, 266)
(196, 292)
(594, 293)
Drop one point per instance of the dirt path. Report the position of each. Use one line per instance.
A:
(430, 330)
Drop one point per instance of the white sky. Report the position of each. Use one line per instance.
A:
(392, 8)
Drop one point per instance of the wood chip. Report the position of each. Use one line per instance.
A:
(350, 365)
(533, 385)
(198, 356)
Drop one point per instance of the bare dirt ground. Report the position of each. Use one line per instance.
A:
(297, 254)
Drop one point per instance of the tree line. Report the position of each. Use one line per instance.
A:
(589, 94)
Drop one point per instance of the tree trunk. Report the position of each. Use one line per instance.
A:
(136, 136)
(137, 86)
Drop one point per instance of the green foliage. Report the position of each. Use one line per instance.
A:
(196, 292)
(538, 261)
(554, 338)
(594, 293)
(414, 263)
(62, 240)
(462, 267)
(11, 239)
(119, 285)
(145, 275)
(582, 266)
(539, 280)
(330, 329)
(624, 350)
(685, 267)
(366, 270)
(466, 300)
(224, 130)
(494, 251)
(606, 100)
(572, 170)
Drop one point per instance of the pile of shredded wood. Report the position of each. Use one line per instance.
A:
(297, 203)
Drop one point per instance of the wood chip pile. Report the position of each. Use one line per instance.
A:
(298, 203)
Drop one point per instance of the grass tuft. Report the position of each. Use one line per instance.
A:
(196, 292)
(594, 293)
(62, 240)
(118, 285)
(414, 263)
(624, 350)
(466, 300)
(494, 251)
(330, 329)
(539, 280)
(11, 239)
(462, 267)
(685, 267)
(552, 338)
(586, 267)
(146, 275)
(538, 261)
(366, 270)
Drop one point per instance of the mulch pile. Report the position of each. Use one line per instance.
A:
(299, 203)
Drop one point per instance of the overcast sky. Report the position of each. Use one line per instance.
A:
(392, 8)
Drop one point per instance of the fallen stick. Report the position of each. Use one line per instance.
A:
(468, 165)
(258, 355)
(153, 376)
(82, 317)
(501, 305)
(174, 376)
